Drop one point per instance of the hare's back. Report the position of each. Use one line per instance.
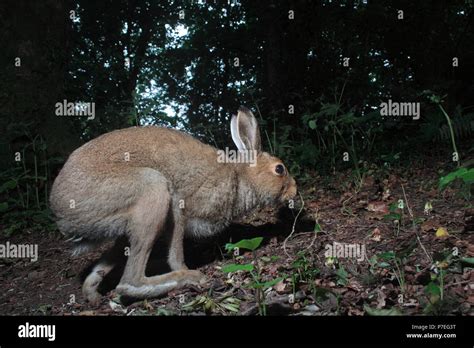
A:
(151, 147)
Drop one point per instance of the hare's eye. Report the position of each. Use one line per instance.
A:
(280, 169)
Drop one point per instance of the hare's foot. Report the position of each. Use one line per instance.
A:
(89, 288)
(107, 262)
(161, 284)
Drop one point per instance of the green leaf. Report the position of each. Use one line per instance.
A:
(384, 265)
(469, 260)
(393, 207)
(230, 307)
(392, 216)
(418, 221)
(389, 255)
(233, 267)
(270, 283)
(342, 274)
(466, 175)
(249, 244)
(381, 312)
(312, 124)
(432, 289)
(9, 185)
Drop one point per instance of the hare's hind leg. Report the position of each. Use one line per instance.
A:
(101, 269)
(149, 216)
(176, 252)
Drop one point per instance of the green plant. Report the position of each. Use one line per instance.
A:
(448, 261)
(210, 305)
(464, 175)
(341, 274)
(381, 312)
(304, 270)
(394, 263)
(438, 100)
(396, 215)
(254, 269)
(24, 188)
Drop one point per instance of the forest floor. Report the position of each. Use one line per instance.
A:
(413, 245)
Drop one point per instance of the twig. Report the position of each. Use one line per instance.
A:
(416, 231)
(315, 233)
(294, 225)
(406, 201)
(459, 283)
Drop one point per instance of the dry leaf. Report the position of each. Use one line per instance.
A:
(117, 307)
(354, 311)
(441, 232)
(470, 250)
(378, 207)
(429, 225)
(354, 285)
(147, 305)
(376, 236)
(381, 299)
(280, 287)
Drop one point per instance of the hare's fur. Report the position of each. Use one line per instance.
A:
(138, 183)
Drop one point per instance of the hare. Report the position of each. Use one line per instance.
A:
(137, 184)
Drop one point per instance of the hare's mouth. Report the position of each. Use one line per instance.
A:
(289, 195)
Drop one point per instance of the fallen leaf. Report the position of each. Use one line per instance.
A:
(310, 310)
(382, 312)
(381, 299)
(147, 305)
(117, 307)
(429, 225)
(280, 287)
(378, 207)
(470, 250)
(354, 285)
(354, 311)
(441, 232)
(376, 236)
(443, 264)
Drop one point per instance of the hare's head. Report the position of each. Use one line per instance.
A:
(267, 175)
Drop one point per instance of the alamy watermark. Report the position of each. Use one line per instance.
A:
(22, 251)
(391, 108)
(235, 156)
(28, 330)
(66, 108)
(345, 250)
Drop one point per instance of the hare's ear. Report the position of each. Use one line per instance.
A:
(244, 130)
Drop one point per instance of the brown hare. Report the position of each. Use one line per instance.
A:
(142, 182)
